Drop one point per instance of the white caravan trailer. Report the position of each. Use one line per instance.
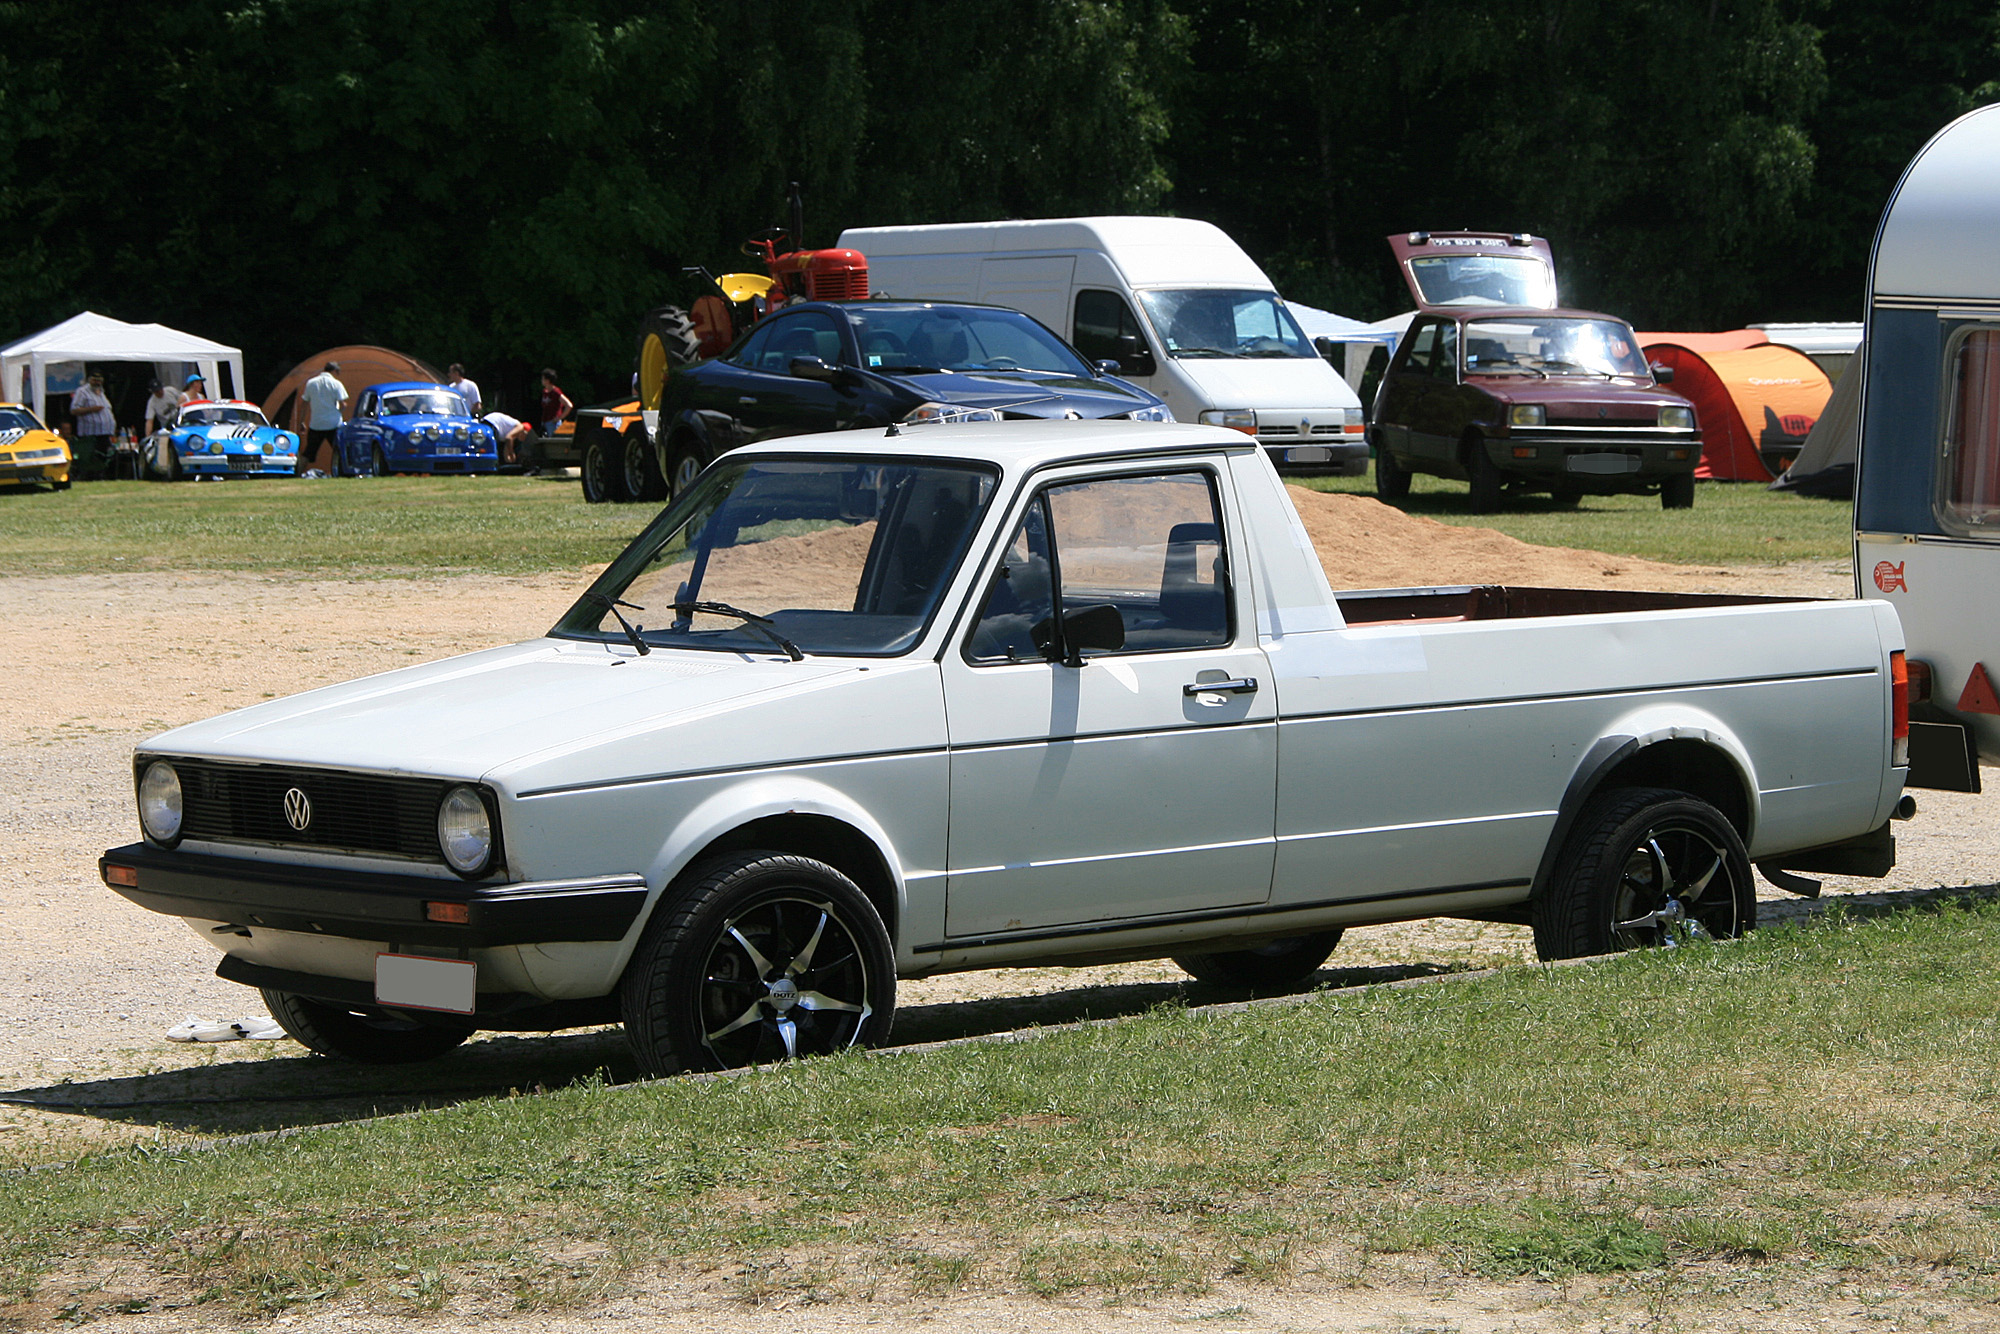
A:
(1927, 496)
(1175, 302)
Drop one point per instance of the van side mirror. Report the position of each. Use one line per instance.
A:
(1135, 356)
(1663, 374)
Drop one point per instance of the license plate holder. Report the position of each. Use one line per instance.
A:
(419, 982)
(1309, 454)
(1602, 465)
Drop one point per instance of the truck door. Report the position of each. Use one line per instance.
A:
(1138, 779)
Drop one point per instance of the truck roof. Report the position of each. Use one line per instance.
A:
(1017, 446)
(1151, 252)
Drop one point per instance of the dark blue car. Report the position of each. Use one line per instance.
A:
(822, 366)
(414, 427)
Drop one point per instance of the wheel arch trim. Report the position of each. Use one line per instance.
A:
(1635, 757)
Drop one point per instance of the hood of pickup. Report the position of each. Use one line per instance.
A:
(506, 711)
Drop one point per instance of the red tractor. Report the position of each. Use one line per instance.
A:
(618, 459)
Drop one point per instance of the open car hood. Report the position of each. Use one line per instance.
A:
(1461, 270)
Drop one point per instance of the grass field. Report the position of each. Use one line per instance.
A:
(1761, 1120)
(404, 526)
(1732, 523)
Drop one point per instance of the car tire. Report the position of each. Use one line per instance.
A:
(174, 472)
(61, 484)
(365, 1036)
(684, 464)
(667, 342)
(642, 479)
(754, 957)
(602, 477)
(1281, 965)
(1392, 480)
(1644, 866)
(1487, 480)
(1677, 492)
(378, 461)
(1566, 494)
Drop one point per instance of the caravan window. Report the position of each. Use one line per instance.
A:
(1971, 473)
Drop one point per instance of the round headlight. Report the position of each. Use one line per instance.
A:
(160, 803)
(465, 831)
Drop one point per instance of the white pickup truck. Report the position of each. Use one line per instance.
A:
(855, 709)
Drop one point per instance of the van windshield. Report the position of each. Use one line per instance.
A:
(1225, 322)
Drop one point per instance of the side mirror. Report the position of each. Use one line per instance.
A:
(812, 368)
(1107, 367)
(1135, 356)
(1095, 627)
(1664, 374)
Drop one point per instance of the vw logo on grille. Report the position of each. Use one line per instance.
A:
(298, 809)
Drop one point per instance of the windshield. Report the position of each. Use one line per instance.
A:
(222, 417)
(16, 419)
(947, 338)
(435, 403)
(1221, 322)
(1553, 347)
(1483, 280)
(841, 556)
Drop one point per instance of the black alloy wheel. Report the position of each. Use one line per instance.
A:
(763, 957)
(1645, 867)
(684, 465)
(1392, 480)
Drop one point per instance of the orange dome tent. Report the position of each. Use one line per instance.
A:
(1755, 400)
(360, 367)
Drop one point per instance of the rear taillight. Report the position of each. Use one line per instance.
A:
(1899, 710)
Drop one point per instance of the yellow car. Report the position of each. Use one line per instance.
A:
(30, 451)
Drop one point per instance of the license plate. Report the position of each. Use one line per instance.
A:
(449, 449)
(1309, 454)
(1603, 465)
(414, 982)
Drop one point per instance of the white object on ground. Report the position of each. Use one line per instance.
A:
(192, 1029)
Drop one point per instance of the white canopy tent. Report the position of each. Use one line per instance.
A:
(1358, 340)
(24, 365)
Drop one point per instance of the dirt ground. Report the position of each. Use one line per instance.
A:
(90, 983)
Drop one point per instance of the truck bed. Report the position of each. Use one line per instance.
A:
(1497, 602)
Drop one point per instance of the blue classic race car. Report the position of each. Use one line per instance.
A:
(414, 427)
(223, 438)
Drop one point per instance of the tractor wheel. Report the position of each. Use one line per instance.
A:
(666, 343)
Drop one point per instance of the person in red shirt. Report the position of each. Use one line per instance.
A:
(555, 403)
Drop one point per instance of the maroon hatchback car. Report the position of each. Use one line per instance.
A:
(1496, 384)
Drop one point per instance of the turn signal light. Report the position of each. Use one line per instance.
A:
(128, 876)
(1899, 709)
(461, 913)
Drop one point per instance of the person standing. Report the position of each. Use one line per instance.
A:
(555, 403)
(467, 389)
(323, 396)
(95, 426)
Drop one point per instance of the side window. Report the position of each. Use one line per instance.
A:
(1970, 478)
(750, 352)
(1106, 329)
(1423, 345)
(810, 333)
(1444, 362)
(1149, 548)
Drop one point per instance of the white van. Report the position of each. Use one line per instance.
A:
(1175, 302)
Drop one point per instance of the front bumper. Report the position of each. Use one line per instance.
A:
(1333, 456)
(370, 906)
(1612, 459)
(239, 465)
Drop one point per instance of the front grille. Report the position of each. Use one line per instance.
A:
(1615, 418)
(245, 803)
(447, 465)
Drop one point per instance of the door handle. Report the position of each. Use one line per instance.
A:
(1242, 685)
(746, 398)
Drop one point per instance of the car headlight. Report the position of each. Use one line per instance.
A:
(424, 432)
(160, 803)
(465, 831)
(1527, 414)
(1160, 412)
(949, 412)
(1677, 419)
(1236, 419)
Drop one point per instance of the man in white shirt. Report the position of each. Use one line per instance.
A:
(162, 408)
(508, 432)
(94, 428)
(323, 395)
(467, 389)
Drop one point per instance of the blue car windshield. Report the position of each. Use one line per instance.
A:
(222, 417)
(816, 555)
(918, 339)
(432, 403)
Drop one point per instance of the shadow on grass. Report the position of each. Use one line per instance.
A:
(289, 1088)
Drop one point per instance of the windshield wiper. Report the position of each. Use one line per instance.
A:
(761, 624)
(612, 605)
(1204, 352)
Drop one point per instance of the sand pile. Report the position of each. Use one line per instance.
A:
(1363, 543)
